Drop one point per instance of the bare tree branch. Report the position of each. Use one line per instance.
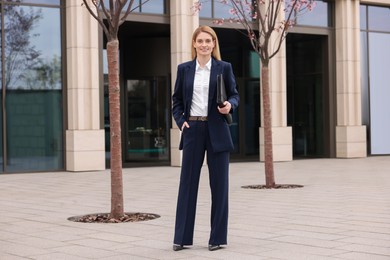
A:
(128, 11)
(285, 27)
(97, 17)
(117, 14)
(107, 14)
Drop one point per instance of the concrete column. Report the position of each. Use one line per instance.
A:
(84, 138)
(350, 133)
(281, 133)
(183, 24)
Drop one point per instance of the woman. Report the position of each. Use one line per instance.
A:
(203, 129)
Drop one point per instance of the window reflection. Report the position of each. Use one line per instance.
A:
(143, 6)
(319, 16)
(375, 56)
(222, 10)
(49, 2)
(378, 18)
(215, 9)
(32, 54)
(147, 120)
(379, 62)
(153, 7)
(206, 10)
(32, 69)
(364, 78)
(363, 17)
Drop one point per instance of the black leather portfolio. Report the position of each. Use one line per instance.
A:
(221, 97)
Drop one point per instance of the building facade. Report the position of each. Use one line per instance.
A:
(329, 84)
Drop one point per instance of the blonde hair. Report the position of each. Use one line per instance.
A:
(206, 29)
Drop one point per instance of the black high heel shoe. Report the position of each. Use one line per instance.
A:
(177, 247)
(214, 247)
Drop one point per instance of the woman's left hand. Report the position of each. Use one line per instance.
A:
(226, 109)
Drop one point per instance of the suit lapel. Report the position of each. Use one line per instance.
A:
(215, 69)
(189, 80)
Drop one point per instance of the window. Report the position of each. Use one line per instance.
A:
(32, 87)
(319, 16)
(48, 2)
(142, 6)
(379, 18)
(375, 61)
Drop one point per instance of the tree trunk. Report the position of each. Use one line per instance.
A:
(115, 130)
(268, 152)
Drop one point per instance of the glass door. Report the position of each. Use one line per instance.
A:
(147, 120)
(306, 98)
(246, 121)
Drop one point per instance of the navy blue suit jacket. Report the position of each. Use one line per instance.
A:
(182, 99)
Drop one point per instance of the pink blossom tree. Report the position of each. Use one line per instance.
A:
(267, 23)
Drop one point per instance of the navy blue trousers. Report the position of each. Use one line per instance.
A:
(196, 142)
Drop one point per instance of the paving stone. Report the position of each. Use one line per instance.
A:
(342, 212)
(362, 256)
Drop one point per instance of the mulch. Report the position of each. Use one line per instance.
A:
(106, 218)
(277, 186)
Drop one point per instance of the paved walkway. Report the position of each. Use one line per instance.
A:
(343, 212)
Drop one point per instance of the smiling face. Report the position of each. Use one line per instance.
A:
(204, 44)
